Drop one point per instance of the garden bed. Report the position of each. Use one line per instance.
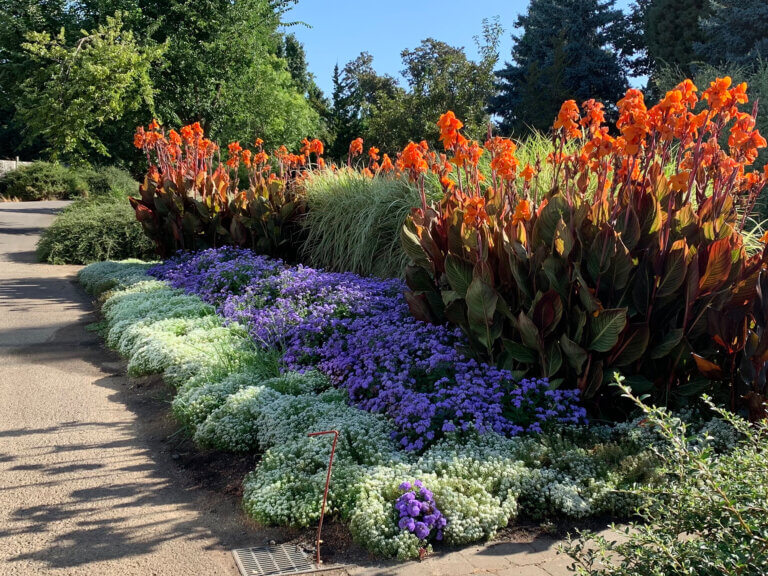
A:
(223, 326)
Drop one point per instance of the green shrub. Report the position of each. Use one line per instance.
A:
(709, 518)
(110, 181)
(48, 181)
(43, 181)
(92, 230)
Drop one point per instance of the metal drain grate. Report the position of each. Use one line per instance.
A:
(272, 560)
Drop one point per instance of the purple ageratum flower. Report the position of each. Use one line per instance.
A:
(300, 303)
(216, 273)
(418, 512)
(359, 331)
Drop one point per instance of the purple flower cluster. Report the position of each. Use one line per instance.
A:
(300, 301)
(359, 332)
(418, 512)
(215, 274)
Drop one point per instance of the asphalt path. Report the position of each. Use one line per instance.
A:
(87, 486)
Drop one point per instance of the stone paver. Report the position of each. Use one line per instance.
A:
(538, 557)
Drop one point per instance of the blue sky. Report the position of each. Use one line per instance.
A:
(341, 29)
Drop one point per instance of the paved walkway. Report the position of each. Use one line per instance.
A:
(88, 487)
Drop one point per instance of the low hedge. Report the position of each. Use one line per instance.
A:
(94, 229)
(47, 181)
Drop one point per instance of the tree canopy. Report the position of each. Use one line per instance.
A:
(673, 27)
(76, 87)
(220, 62)
(735, 32)
(565, 50)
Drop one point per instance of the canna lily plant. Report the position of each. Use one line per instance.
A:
(191, 200)
(626, 254)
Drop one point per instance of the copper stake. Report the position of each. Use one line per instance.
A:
(327, 483)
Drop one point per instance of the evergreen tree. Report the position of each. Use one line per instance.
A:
(736, 32)
(567, 50)
(357, 91)
(633, 42)
(672, 30)
(296, 60)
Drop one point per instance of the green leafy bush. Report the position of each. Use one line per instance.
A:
(43, 181)
(49, 181)
(709, 518)
(92, 230)
(110, 181)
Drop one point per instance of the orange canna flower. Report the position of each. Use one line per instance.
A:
(386, 164)
(174, 138)
(688, 90)
(367, 172)
(317, 147)
(154, 125)
(234, 154)
(356, 147)
(633, 121)
(523, 212)
(449, 129)
(764, 238)
(528, 172)
(568, 120)
(373, 153)
(719, 96)
(594, 115)
(258, 142)
(505, 165)
(679, 182)
(187, 134)
(412, 160)
(467, 154)
(139, 137)
(475, 211)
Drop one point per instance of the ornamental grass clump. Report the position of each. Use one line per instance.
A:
(627, 253)
(353, 221)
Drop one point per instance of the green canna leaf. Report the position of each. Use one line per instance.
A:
(605, 328)
(459, 274)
